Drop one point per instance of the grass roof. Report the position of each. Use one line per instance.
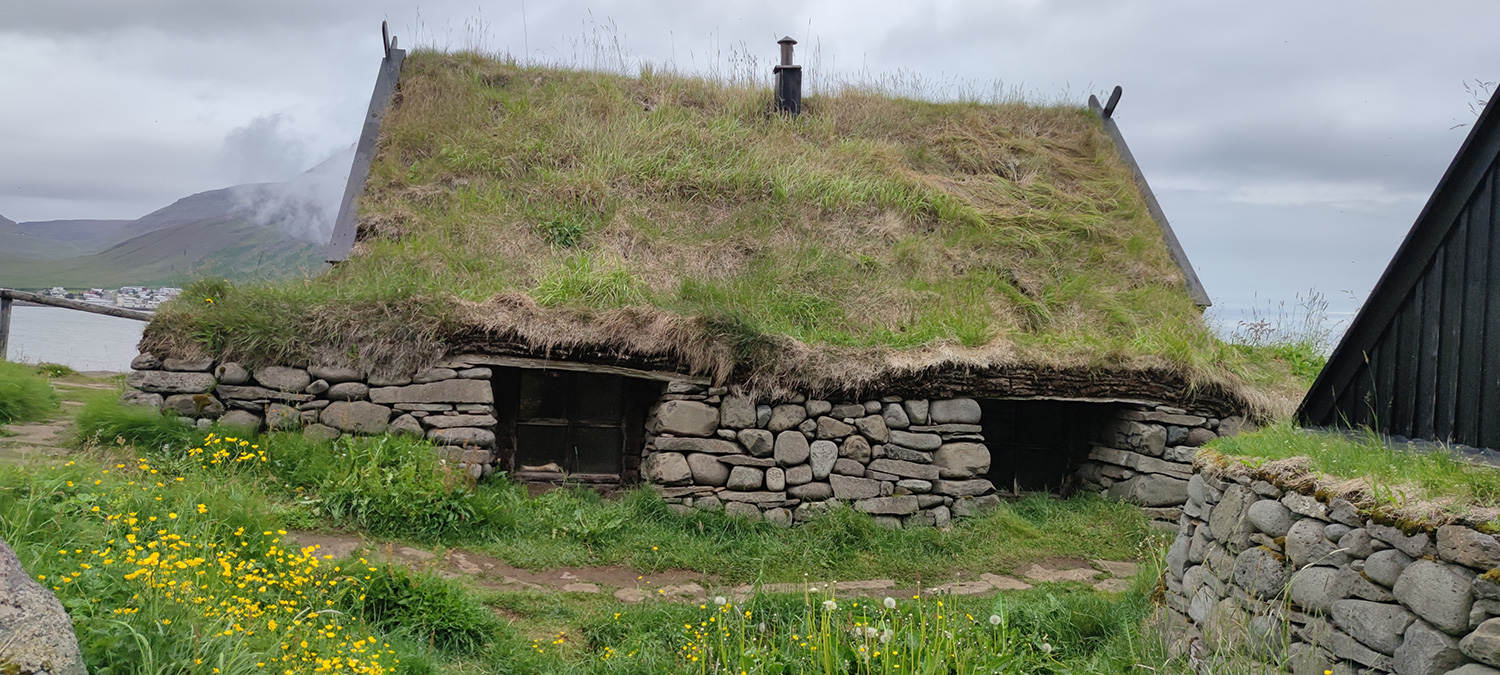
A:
(673, 220)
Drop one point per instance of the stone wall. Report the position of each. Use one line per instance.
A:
(451, 407)
(1269, 564)
(1144, 454)
(907, 462)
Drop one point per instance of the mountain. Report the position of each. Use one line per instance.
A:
(253, 231)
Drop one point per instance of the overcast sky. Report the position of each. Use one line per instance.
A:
(1291, 143)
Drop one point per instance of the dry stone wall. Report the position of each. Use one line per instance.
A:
(453, 407)
(1144, 454)
(906, 462)
(1311, 583)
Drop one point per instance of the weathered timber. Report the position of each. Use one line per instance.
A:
(35, 298)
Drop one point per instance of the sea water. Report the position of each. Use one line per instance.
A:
(79, 340)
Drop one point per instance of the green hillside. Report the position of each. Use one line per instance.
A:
(236, 249)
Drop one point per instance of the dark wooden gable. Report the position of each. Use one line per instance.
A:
(1422, 357)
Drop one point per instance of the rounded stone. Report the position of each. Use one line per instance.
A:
(955, 411)
(1271, 517)
(791, 448)
(356, 417)
(962, 460)
(707, 469)
(1385, 567)
(775, 479)
(231, 373)
(317, 387)
(348, 391)
(1260, 571)
(683, 418)
(667, 468)
(746, 478)
(821, 456)
(1440, 593)
(281, 378)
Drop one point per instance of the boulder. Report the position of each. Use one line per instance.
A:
(737, 412)
(916, 410)
(317, 387)
(798, 475)
(707, 469)
(779, 517)
(791, 448)
(1200, 492)
(742, 510)
(434, 375)
(1306, 545)
(281, 378)
(320, 432)
(164, 382)
(848, 467)
(667, 468)
(462, 436)
(775, 479)
(1440, 593)
(145, 362)
(348, 391)
(1377, 625)
(850, 488)
(903, 469)
(1150, 490)
(856, 448)
(762, 415)
(188, 365)
(894, 417)
(746, 478)
(243, 421)
(758, 442)
(1473, 669)
(712, 446)
(405, 425)
(821, 456)
(1228, 523)
(231, 373)
(1260, 571)
(1426, 651)
(1317, 588)
(36, 635)
(955, 411)
(907, 439)
(1483, 644)
(193, 405)
(830, 428)
(141, 398)
(875, 428)
(683, 418)
(282, 417)
(1270, 516)
(358, 417)
(812, 492)
(1414, 545)
(1463, 546)
(1384, 567)
(817, 408)
(786, 416)
(447, 391)
(963, 488)
(914, 485)
(888, 506)
(962, 460)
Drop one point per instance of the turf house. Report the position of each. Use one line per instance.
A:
(750, 299)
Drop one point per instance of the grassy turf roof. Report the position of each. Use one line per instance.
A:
(672, 222)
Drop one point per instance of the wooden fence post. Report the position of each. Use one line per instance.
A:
(5, 304)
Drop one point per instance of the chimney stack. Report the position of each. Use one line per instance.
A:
(788, 80)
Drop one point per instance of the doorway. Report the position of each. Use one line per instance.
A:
(1036, 446)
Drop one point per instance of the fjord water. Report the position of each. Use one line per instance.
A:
(79, 340)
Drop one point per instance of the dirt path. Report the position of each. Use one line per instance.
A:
(40, 442)
(628, 585)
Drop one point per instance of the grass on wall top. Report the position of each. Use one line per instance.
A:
(674, 216)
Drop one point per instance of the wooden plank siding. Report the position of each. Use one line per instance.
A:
(1433, 371)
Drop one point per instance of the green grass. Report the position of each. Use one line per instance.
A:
(1398, 473)
(25, 396)
(234, 497)
(868, 223)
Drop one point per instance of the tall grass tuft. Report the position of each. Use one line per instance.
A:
(24, 395)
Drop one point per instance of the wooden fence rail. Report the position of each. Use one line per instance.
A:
(9, 297)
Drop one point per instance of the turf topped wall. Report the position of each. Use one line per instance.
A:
(1270, 562)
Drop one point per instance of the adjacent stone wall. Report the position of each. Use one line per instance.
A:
(1268, 563)
(907, 462)
(451, 407)
(1145, 454)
